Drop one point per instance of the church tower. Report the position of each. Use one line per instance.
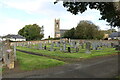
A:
(57, 28)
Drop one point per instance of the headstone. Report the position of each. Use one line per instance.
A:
(77, 47)
(71, 44)
(40, 46)
(64, 47)
(82, 45)
(117, 47)
(69, 50)
(112, 45)
(51, 48)
(88, 45)
(94, 46)
(58, 44)
(61, 49)
(45, 47)
(69, 40)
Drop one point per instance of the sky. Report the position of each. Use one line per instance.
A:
(15, 14)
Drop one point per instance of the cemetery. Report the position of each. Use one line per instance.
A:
(85, 48)
(62, 50)
(53, 53)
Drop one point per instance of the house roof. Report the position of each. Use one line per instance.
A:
(14, 36)
(115, 34)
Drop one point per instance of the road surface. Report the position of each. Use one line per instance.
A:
(101, 67)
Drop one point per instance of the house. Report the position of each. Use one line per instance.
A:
(13, 37)
(114, 35)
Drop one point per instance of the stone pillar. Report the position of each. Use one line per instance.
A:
(10, 56)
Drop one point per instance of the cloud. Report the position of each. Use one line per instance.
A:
(43, 12)
(30, 6)
(10, 26)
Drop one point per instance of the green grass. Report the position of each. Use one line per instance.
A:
(81, 54)
(118, 77)
(32, 62)
(2, 69)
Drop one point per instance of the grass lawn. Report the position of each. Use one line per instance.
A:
(1, 69)
(31, 62)
(81, 54)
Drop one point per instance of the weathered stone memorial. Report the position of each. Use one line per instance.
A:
(88, 47)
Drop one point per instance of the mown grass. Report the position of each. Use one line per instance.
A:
(81, 54)
(32, 62)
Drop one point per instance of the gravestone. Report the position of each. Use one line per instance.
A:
(69, 40)
(69, 50)
(117, 47)
(71, 44)
(40, 46)
(82, 45)
(45, 47)
(94, 46)
(58, 44)
(77, 47)
(64, 47)
(88, 45)
(51, 48)
(61, 49)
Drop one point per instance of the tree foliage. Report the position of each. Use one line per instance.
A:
(70, 33)
(31, 32)
(110, 11)
(84, 30)
(109, 31)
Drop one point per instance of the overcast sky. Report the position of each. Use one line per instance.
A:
(15, 14)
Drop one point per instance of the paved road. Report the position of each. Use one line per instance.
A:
(103, 67)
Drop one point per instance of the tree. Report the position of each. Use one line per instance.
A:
(84, 30)
(110, 11)
(109, 31)
(31, 32)
(69, 33)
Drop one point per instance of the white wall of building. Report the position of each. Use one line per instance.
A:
(13, 39)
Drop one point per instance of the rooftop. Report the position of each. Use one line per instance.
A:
(14, 36)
